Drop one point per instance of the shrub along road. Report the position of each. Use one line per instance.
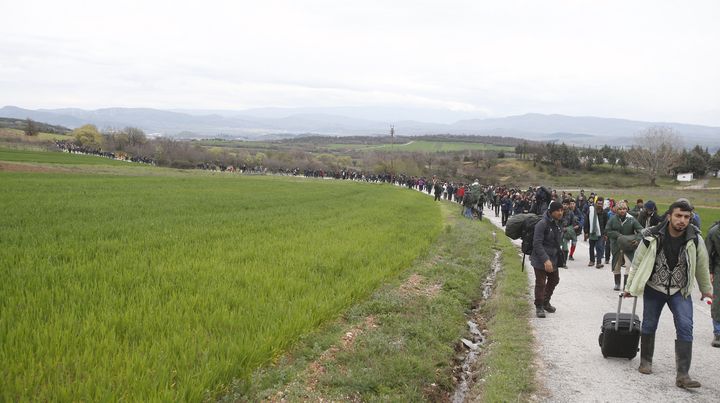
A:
(570, 365)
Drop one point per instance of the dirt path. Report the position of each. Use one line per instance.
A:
(700, 184)
(572, 369)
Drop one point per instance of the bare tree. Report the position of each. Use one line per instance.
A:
(135, 136)
(30, 128)
(656, 152)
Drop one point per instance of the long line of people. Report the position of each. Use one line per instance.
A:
(653, 255)
(70, 147)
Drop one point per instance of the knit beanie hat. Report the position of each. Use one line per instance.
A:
(650, 205)
(554, 206)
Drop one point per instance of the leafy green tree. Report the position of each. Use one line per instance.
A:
(697, 161)
(715, 161)
(88, 136)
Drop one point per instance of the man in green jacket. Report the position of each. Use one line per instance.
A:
(621, 223)
(712, 242)
(668, 261)
(635, 211)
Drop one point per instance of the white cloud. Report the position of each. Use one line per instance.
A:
(653, 60)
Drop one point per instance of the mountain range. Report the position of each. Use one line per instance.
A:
(274, 123)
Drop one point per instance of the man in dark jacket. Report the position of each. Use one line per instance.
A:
(438, 189)
(649, 217)
(506, 207)
(546, 257)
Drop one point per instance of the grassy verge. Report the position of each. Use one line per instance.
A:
(45, 157)
(400, 344)
(508, 367)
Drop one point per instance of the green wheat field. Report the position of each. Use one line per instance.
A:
(138, 288)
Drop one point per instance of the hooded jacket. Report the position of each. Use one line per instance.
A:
(643, 263)
(546, 243)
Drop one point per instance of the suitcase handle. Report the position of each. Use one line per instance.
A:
(617, 315)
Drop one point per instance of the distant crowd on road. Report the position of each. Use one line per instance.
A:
(70, 147)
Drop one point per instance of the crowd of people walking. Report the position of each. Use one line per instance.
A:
(659, 256)
(70, 147)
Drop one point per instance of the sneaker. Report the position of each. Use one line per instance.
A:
(617, 287)
(571, 258)
(591, 264)
(716, 341)
(599, 266)
(549, 307)
(540, 312)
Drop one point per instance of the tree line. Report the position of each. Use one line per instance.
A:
(657, 151)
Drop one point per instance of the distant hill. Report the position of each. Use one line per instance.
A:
(20, 124)
(274, 123)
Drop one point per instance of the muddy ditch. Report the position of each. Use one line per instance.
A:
(468, 349)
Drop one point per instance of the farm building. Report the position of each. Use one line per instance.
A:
(687, 177)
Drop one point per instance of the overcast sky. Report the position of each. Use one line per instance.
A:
(653, 60)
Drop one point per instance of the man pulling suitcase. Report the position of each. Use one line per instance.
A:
(668, 261)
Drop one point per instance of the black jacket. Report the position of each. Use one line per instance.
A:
(546, 243)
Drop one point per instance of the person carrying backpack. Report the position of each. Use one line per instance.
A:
(547, 257)
(669, 260)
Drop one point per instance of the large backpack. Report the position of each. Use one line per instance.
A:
(522, 226)
(472, 196)
(514, 225)
(528, 232)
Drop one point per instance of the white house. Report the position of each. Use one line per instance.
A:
(685, 177)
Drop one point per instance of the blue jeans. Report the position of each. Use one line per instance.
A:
(597, 248)
(468, 212)
(682, 309)
(716, 325)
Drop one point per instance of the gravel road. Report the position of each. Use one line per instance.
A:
(571, 367)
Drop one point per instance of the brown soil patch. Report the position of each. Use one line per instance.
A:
(415, 285)
(12, 167)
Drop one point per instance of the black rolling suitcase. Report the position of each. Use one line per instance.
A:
(620, 333)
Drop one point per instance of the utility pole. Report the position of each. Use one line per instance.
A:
(392, 149)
